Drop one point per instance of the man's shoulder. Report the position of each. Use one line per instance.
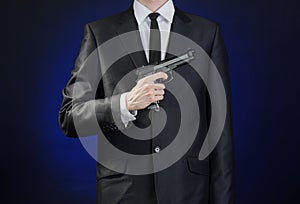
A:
(112, 20)
(105, 28)
(201, 21)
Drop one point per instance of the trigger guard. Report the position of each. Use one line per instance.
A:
(170, 77)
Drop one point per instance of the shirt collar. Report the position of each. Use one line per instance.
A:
(141, 12)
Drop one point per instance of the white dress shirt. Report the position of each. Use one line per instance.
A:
(164, 20)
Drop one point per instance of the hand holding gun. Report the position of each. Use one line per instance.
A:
(150, 82)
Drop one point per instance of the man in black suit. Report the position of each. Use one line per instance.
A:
(119, 107)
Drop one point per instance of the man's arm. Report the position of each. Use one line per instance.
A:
(222, 181)
(79, 107)
(81, 113)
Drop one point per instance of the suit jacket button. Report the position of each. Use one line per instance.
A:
(157, 149)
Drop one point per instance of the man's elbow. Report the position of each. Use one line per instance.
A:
(66, 124)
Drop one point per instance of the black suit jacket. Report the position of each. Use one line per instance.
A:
(189, 180)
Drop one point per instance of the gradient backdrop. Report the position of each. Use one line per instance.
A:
(41, 40)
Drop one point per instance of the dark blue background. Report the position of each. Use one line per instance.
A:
(40, 41)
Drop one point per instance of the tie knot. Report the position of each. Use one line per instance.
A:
(153, 16)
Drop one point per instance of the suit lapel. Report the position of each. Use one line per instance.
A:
(127, 23)
(181, 25)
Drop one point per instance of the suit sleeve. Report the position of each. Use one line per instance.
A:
(222, 180)
(85, 108)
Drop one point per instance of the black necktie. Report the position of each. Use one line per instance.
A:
(155, 45)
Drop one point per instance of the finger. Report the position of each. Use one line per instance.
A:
(156, 98)
(159, 98)
(158, 75)
(159, 86)
(151, 87)
(159, 92)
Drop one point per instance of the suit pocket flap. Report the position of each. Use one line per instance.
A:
(198, 166)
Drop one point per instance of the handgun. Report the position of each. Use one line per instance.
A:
(165, 66)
